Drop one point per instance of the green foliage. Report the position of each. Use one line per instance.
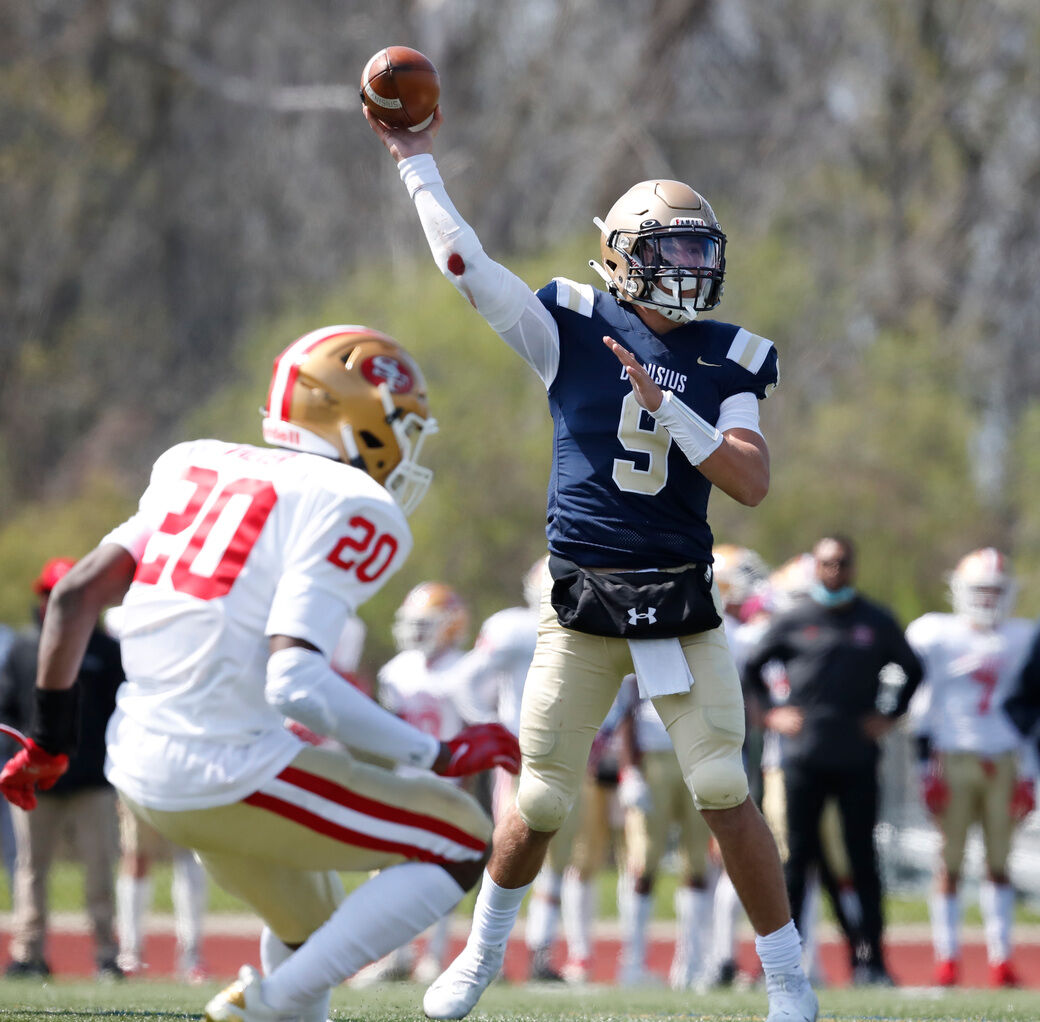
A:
(58, 528)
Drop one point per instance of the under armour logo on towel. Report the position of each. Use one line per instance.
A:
(650, 616)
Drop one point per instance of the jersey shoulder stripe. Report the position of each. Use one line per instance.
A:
(575, 297)
(749, 350)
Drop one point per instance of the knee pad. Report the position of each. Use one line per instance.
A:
(719, 782)
(540, 805)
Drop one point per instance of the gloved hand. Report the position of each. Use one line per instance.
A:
(633, 791)
(478, 748)
(29, 769)
(1023, 799)
(934, 789)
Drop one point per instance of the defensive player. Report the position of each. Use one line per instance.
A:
(973, 774)
(421, 684)
(651, 408)
(238, 571)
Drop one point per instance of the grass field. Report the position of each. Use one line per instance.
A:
(23, 1001)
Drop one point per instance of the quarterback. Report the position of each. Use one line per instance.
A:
(236, 576)
(651, 408)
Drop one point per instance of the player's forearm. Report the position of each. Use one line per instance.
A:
(301, 685)
(97, 581)
(739, 467)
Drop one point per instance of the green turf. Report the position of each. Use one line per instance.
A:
(25, 1001)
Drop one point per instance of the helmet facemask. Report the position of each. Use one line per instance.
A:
(663, 249)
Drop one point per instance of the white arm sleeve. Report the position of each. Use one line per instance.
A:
(739, 412)
(302, 685)
(510, 307)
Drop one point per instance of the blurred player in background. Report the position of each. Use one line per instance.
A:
(236, 574)
(422, 684)
(976, 767)
(654, 796)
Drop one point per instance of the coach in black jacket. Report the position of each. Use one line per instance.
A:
(834, 645)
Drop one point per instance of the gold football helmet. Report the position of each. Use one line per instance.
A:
(739, 572)
(663, 248)
(431, 619)
(354, 394)
(982, 588)
(792, 580)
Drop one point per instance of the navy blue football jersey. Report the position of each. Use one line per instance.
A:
(621, 493)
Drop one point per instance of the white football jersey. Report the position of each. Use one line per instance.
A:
(968, 674)
(496, 668)
(233, 544)
(428, 696)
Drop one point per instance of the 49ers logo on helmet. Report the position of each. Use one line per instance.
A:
(386, 369)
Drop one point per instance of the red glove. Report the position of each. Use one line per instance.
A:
(1023, 799)
(31, 768)
(935, 790)
(481, 747)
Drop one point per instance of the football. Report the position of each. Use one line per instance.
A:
(401, 87)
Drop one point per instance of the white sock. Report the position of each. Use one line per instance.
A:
(946, 917)
(437, 939)
(577, 909)
(391, 908)
(691, 907)
(189, 891)
(726, 909)
(133, 900)
(634, 952)
(997, 902)
(495, 912)
(272, 953)
(781, 950)
(543, 911)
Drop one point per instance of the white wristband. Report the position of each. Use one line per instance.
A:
(697, 438)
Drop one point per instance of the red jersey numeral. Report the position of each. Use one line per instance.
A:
(374, 550)
(236, 547)
(987, 678)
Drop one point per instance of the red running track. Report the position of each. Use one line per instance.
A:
(70, 953)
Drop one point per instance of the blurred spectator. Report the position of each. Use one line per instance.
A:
(970, 751)
(834, 646)
(81, 804)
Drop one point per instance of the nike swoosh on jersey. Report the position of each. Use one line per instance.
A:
(714, 365)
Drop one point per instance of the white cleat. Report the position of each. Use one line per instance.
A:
(455, 992)
(791, 998)
(242, 1001)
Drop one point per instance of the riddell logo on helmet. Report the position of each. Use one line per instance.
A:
(386, 369)
(278, 433)
(687, 221)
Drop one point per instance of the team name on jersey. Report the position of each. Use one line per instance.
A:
(669, 379)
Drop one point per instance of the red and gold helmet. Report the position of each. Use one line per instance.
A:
(354, 394)
(662, 248)
(739, 572)
(982, 587)
(431, 619)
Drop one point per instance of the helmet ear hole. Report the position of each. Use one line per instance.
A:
(370, 439)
